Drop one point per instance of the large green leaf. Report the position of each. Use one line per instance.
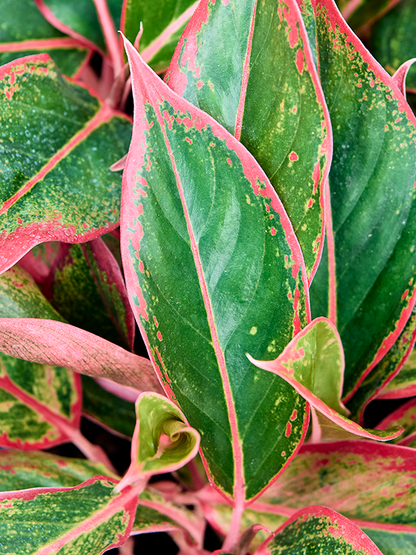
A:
(53, 128)
(393, 39)
(373, 201)
(248, 64)
(318, 531)
(163, 23)
(214, 270)
(87, 518)
(31, 34)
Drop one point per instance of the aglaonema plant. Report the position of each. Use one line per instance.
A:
(236, 180)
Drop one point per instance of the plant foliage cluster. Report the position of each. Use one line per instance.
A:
(254, 222)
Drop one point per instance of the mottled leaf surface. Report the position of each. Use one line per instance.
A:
(87, 289)
(33, 469)
(404, 384)
(313, 363)
(163, 23)
(107, 409)
(373, 199)
(386, 371)
(229, 62)
(318, 530)
(52, 128)
(393, 39)
(31, 34)
(87, 519)
(214, 269)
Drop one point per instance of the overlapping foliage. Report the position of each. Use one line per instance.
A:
(262, 238)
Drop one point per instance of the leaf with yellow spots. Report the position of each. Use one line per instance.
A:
(249, 65)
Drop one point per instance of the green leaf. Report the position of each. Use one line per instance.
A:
(385, 372)
(393, 39)
(404, 416)
(318, 530)
(229, 62)
(313, 363)
(86, 287)
(365, 12)
(32, 34)
(214, 270)
(35, 469)
(404, 384)
(373, 201)
(162, 440)
(55, 127)
(163, 23)
(83, 519)
(107, 409)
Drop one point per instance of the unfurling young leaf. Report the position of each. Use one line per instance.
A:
(162, 440)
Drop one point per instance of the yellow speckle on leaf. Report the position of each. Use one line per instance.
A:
(253, 330)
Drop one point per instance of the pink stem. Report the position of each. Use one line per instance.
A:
(112, 40)
(197, 480)
(234, 532)
(92, 452)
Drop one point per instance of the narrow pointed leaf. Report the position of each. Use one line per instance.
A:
(318, 530)
(33, 469)
(404, 384)
(385, 372)
(400, 75)
(107, 409)
(86, 519)
(393, 41)
(212, 265)
(370, 484)
(313, 363)
(40, 405)
(163, 24)
(86, 287)
(32, 34)
(229, 63)
(59, 344)
(162, 440)
(373, 199)
(55, 126)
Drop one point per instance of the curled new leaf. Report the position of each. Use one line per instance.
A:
(162, 441)
(313, 364)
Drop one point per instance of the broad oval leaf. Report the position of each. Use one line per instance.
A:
(59, 344)
(86, 519)
(313, 363)
(162, 441)
(52, 128)
(214, 269)
(373, 199)
(31, 34)
(318, 530)
(249, 65)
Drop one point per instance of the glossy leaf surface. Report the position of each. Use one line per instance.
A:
(31, 34)
(34, 469)
(162, 441)
(59, 344)
(86, 287)
(55, 126)
(372, 199)
(87, 519)
(386, 371)
(163, 23)
(404, 384)
(214, 269)
(393, 39)
(318, 530)
(229, 62)
(107, 409)
(313, 363)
